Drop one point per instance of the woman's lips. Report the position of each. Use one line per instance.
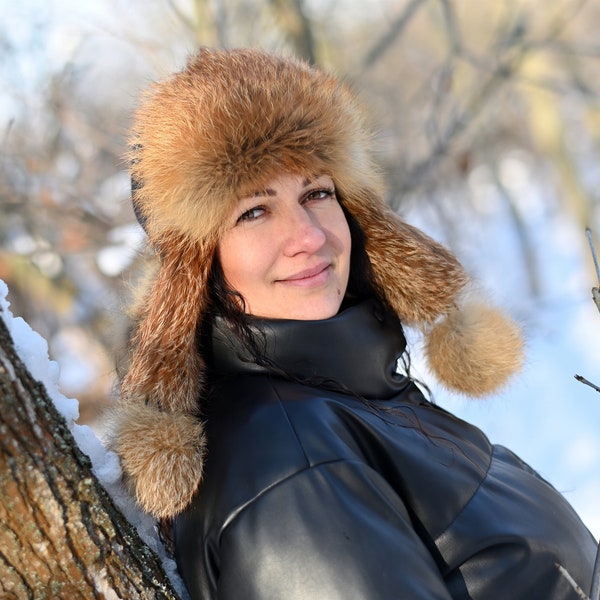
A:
(308, 277)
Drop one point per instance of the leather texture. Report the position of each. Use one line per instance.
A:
(314, 492)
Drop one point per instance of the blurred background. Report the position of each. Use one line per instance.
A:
(488, 126)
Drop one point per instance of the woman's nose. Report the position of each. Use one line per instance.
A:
(303, 232)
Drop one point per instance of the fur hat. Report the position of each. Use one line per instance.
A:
(212, 133)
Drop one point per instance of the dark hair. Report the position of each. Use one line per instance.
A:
(360, 282)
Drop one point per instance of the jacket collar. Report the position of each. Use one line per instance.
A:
(356, 350)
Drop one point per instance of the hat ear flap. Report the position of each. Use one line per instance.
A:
(155, 429)
(471, 347)
(166, 368)
(419, 278)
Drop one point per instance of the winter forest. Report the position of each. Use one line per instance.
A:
(488, 127)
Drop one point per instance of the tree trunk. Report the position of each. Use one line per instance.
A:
(61, 536)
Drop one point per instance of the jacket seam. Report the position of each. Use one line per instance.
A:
(290, 423)
(309, 467)
(468, 502)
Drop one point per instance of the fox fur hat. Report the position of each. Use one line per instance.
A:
(219, 130)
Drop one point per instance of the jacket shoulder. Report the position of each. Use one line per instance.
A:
(258, 422)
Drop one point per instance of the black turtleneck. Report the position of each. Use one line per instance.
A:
(357, 350)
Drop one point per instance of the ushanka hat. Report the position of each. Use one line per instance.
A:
(219, 130)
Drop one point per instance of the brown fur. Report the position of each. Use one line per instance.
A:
(475, 350)
(166, 369)
(227, 124)
(161, 455)
(217, 131)
(420, 278)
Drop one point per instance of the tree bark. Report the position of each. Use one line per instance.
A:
(61, 536)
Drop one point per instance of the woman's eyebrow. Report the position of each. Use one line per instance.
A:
(265, 192)
(271, 192)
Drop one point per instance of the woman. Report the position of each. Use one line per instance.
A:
(263, 412)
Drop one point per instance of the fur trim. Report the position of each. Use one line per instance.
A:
(419, 277)
(161, 456)
(215, 132)
(157, 433)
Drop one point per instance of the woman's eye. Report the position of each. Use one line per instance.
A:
(252, 214)
(321, 194)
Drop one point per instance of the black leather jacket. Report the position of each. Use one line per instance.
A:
(351, 485)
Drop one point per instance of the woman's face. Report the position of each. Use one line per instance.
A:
(287, 249)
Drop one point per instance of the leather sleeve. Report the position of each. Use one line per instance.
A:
(334, 531)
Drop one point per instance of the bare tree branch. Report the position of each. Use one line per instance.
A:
(394, 31)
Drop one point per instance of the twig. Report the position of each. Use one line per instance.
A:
(584, 380)
(572, 582)
(596, 297)
(396, 28)
(595, 592)
(595, 290)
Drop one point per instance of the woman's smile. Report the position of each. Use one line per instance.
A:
(309, 277)
(287, 250)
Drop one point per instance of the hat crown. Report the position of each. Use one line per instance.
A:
(231, 121)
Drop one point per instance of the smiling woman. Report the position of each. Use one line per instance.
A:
(288, 253)
(263, 417)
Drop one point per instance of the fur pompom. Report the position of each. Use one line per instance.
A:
(161, 456)
(475, 349)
